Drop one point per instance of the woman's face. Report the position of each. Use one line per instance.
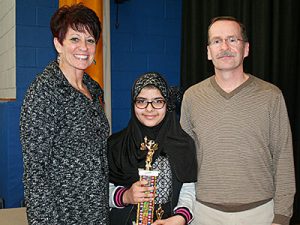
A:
(150, 116)
(77, 50)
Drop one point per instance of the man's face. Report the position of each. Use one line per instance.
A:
(226, 48)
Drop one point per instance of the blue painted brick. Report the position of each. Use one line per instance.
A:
(120, 119)
(125, 26)
(128, 23)
(149, 8)
(129, 61)
(123, 80)
(25, 76)
(121, 99)
(15, 154)
(173, 45)
(148, 44)
(44, 3)
(26, 15)
(3, 146)
(173, 9)
(172, 77)
(34, 36)
(121, 43)
(21, 93)
(14, 158)
(164, 62)
(166, 27)
(26, 56)
(44, 15)
(45, 55)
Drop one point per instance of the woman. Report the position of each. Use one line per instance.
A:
(153, 116)
(64, 129)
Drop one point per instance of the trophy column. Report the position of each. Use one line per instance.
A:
(145, 210)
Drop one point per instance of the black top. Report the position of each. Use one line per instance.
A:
(125, 156)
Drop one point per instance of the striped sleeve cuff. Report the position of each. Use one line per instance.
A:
(118, 197)
(185, 213)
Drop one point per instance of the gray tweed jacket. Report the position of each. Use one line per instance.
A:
(63, 137)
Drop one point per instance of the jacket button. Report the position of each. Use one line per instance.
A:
(98, 132)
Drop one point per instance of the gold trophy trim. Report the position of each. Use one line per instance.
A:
(151, 146)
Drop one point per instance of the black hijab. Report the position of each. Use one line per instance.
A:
(124, 154)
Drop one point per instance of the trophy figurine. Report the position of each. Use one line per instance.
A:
(145, 210)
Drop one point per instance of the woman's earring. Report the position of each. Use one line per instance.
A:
(94, 61)
(58, 58)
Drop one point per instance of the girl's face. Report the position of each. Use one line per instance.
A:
(150, 116)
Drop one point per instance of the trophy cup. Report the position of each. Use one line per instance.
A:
(145, 210)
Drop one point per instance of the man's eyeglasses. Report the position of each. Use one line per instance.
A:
(231, 41)
(156, 103)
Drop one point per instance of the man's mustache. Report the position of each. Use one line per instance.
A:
(226, 53)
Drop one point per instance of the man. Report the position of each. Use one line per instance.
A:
(244, 144)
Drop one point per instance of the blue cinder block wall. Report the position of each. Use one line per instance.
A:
(147, 39)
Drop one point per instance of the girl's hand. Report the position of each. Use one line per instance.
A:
(138, 193)
(174, 220)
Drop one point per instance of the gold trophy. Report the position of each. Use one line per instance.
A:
(145, 210)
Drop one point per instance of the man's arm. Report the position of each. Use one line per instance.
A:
(283, 162)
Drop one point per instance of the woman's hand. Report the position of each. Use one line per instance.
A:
(138, 193)
(174, 220)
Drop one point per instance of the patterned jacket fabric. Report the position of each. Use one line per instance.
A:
(63, 137)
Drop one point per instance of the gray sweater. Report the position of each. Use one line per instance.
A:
(244, 144)
(63, 136)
